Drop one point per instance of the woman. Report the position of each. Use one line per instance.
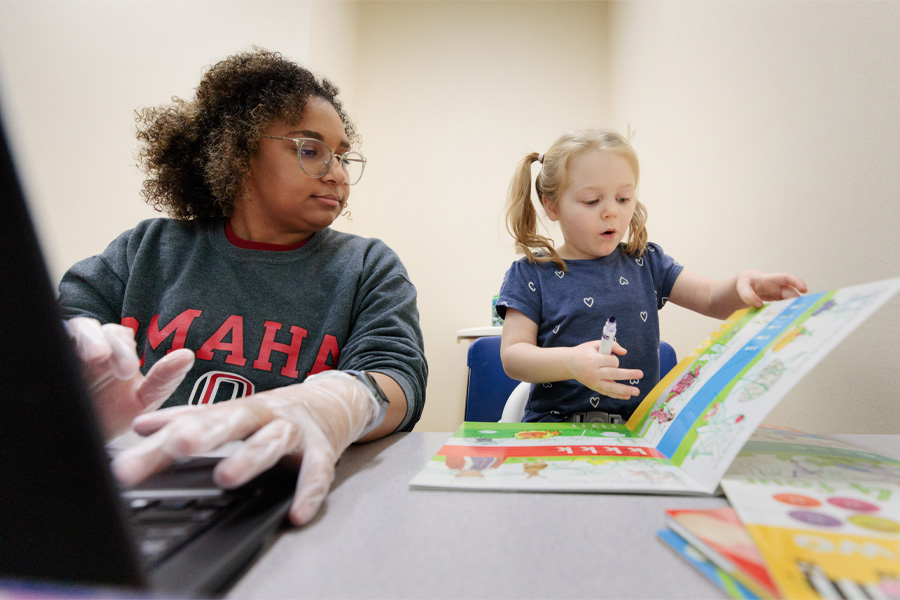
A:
(245, 294)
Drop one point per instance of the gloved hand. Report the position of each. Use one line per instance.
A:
(309, 423)
(112, 372)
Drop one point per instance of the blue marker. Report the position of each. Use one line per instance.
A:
(609, 336)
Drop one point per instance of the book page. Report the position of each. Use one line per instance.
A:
(824, 515)
(559, 457)
(751, 366)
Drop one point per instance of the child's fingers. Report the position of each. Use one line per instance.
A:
(623, 374)
(617, 390)
(609, 386)
(747, 293)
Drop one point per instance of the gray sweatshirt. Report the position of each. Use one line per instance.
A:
(256, 319)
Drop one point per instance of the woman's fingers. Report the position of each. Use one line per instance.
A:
(185, 431)
(259, 452)
(164, 378)
(314, 482)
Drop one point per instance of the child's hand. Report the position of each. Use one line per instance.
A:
(756, 287)
(600, 372)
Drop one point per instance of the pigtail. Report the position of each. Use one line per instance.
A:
(522, 218)
(637, 235)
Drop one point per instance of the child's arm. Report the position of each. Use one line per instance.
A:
(525, 361)
(720, 298)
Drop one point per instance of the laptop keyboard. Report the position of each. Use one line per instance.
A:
(163, 525)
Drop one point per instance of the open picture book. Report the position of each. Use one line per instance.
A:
(687, 431)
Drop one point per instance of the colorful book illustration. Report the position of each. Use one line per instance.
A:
(720, 577)
(687, 431)
(720, 536)
(824, 516)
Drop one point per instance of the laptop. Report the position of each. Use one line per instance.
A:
(63, 519)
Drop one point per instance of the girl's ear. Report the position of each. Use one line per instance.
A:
(550, 208)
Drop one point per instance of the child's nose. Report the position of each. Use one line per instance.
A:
(609, 209)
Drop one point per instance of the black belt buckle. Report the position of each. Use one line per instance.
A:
(596, 416)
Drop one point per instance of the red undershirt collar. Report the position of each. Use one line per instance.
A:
(248, 245)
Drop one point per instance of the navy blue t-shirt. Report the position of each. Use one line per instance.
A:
(571, 308)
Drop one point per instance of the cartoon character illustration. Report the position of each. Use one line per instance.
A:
(662, 415)
(714, 438)
(536, 435)
(790, 336)
(472, 466)
(482, 441)
(533, 467)
(684, 383)
(763, 382)
(825, 307)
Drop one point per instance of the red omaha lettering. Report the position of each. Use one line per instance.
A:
(235, 348)
(328, 348)
(133, 324)
(269, 345)
(179, 326)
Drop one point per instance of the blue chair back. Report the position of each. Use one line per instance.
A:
(489, 386)
(667, 358)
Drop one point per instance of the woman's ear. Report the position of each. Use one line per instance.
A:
(550, 208)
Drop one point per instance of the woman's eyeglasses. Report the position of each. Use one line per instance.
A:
(315, 158)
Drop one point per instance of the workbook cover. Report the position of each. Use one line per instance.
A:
(710, 570)
(687, 431)
(824, 515)
(720, 536)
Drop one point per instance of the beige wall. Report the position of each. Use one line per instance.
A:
(767, 134)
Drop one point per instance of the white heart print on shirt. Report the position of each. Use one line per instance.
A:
(623, 281)
(595, 401)
(560, 274)
(644, 316)
(589, 302)
(639, 261)
(531, 286)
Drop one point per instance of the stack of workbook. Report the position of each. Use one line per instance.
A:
(809, 517)
(814, 509)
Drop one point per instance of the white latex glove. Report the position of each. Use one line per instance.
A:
(309, 423)
(112, 372)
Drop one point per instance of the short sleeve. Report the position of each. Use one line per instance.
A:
(664, 270)
(521, 290)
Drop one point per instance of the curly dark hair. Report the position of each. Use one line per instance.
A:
(196, 153)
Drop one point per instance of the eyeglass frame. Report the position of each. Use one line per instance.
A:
(297, 142)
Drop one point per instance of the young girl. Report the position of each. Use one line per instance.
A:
(555, 301)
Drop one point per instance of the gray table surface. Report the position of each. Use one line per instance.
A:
(376, 538)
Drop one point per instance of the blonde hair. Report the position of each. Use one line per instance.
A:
(552, 182)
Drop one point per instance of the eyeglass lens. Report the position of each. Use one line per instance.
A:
(316, 157)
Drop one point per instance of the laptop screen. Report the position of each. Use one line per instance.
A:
(61, 518)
